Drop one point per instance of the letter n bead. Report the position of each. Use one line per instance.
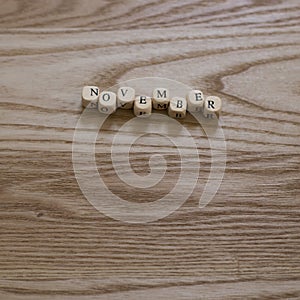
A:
(90, 96)
(177, 108)
(212, 107)
(126, 96)
(142, 106)
(195, 101)
(107, 102)
(161, 98)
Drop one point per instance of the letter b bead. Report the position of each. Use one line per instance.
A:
(177, 108)
(107, 102)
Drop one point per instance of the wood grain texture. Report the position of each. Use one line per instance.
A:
(244, 244)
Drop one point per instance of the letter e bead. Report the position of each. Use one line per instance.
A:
(195, 101)
(142, 106)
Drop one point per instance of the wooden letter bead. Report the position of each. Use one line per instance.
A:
(195, 101)
(90, 95)
(107, 103)
(212, 107)
(177, 108)
(161, 98)
(142, 106)
(126, 96)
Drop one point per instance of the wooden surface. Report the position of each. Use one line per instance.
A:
(244, 245)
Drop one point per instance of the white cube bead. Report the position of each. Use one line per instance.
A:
(195, 101)
(142, 106)
(212, 107)
(177, 108)
(126, 96)
(90, 95)
(161, 98)
(107, 103)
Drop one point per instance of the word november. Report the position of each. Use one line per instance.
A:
(107, 102)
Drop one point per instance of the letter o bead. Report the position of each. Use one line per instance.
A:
(107, 103)
(212, 107)
(177, 108)
(142, 106)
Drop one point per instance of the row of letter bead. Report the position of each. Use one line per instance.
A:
(107, 102)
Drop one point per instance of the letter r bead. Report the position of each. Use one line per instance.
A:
(212, 107)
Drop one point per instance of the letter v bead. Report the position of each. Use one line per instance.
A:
(125, 97)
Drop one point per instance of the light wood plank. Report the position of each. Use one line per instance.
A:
(244, 244)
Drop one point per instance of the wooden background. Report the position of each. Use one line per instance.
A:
(244, 244)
